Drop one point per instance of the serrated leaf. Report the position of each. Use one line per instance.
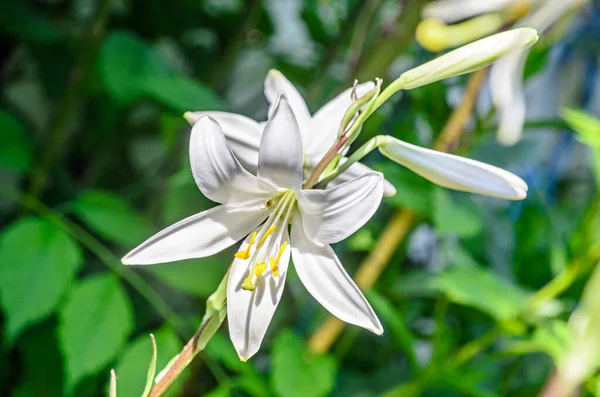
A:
(483, 290)
(296, 372)
(38, 263)
(130, 367)
(181, 94)
(451, 218)
(111, 217)
(16, 150)
(95, 322)
(122, 62)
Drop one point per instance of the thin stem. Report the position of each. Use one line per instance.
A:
(358, 155)
(69, 102)
(347, 137)
(216, 310)
(402, 222)
(101, 252)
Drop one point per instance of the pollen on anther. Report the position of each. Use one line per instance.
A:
(260, 268)
(246, 253)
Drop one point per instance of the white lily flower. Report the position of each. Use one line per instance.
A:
(506, 76)
(259, 208)
(319, 131)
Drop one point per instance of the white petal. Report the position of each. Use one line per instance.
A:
(456, 172)
(243, 135)
(506, 85)
(324, 277)
(199, 235)
(250, 312)
(333, 214)
(359, 169)
(326, 123)
(548, 13)
(275, 83)
(217, 172)
(280, 153)
(456, 10)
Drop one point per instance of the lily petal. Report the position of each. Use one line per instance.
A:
(457, 10)
(243, 134)
(250, 312)
(280, 153)
(333, 214)
(217, 172)
(456, 172)
(199, 235)
(325, 123)
(359, 169)
(275, 83)
(506, 85)
(324, 277)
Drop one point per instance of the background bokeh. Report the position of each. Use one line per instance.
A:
(476, 300)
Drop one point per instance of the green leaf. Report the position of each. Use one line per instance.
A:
(483, 290)
(21, 20)
(16, 150)
(412, 191)
(451, 218)
(586, 126)
(296, 372)
(553, 338)
(181, 94)
(95, 322)
(122, 62)
(38, 263)
(130, 368)
(112, 218)
(39, 345)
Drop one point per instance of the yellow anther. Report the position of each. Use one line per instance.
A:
(257, 270)
(247, 285)
(246, 253)
(274, 267)
(274, 262)
(260, 268)
(264, 237)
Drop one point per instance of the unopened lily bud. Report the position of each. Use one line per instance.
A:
(469, 58)
(434, 35)
(454, 172)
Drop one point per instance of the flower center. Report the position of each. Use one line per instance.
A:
(269, 248)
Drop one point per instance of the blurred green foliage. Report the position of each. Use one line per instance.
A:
(94, 160)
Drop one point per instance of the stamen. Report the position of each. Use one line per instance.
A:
(275, 262)
(246, 253)
(257, 270)
(264, 237)
(260, 268)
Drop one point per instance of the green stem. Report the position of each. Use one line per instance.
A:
(216, 310)
(101, 252)
(358, 155)
(69, 100)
